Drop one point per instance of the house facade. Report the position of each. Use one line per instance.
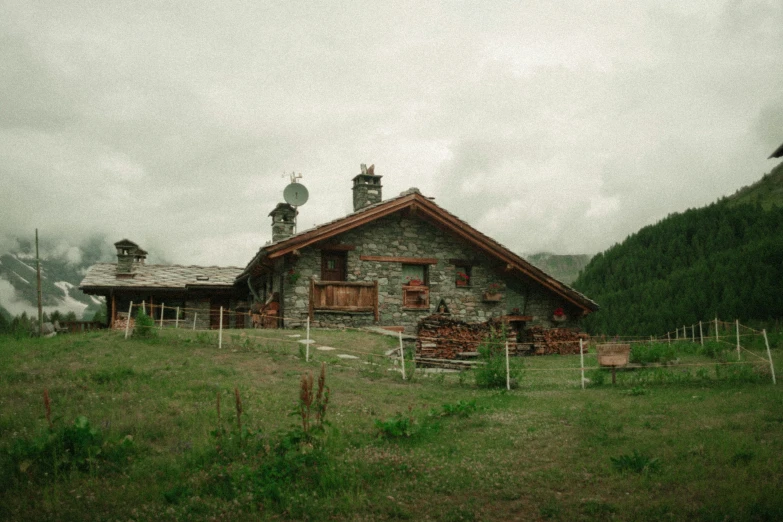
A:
(393, 262)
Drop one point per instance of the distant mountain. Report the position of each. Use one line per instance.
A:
(725, 260)
(62, 269)
(563, 267)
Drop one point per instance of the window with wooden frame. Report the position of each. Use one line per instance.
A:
(415, 287)
(463, 275)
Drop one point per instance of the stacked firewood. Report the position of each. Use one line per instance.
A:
(121, 323)
(442, 337)
(563, 341)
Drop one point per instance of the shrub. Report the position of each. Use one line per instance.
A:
(396, 427)
(145, 326)
(492, 372)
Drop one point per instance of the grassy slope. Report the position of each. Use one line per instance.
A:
(768, 191)
(541, 452)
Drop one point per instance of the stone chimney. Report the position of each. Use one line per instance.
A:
(129, 256)
(283, 221)
(366, 188)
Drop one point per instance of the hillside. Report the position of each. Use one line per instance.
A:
(563, 267)
(725, 259)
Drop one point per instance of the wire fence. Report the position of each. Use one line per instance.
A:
(234, 327)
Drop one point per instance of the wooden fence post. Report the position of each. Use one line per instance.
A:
(769, 354)
(582, 361)
(307, 349)
(739, 357)
(162, 310)
(127, 325)
(220, 332)
(195, 314)
(176, 321)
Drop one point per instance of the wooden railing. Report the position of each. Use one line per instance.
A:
(343, 296)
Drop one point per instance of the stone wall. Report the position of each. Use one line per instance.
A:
(400, 236)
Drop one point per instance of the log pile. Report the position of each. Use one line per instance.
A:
(120, 323)
(563, 341)
(441, 337)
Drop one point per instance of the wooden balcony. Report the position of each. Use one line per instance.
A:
(344, 296)
(417, 297)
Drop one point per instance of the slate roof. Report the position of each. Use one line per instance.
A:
(102, 276)
(412, 198)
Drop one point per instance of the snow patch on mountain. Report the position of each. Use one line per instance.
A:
(20, 277)
(69, 302)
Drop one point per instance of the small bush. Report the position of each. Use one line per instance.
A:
(397, 427)
(492, 373)
(144, 326)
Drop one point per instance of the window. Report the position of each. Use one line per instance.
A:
(415, 292)
(414, 275)
(463, 275)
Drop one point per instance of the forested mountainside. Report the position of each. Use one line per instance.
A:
(722, 260)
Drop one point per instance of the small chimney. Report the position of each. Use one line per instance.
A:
(129, 256)
(366, 188)
(283, 221)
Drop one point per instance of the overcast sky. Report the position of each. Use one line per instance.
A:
(550, 126)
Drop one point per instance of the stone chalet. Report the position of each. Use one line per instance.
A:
(389, 263)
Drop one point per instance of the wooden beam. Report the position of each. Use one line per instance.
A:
(406, 260)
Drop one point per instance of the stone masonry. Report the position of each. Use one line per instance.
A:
(401, 236)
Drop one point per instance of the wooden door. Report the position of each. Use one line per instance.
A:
(333, 266)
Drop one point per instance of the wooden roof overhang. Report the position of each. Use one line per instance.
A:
(421, 206)
(108, 290)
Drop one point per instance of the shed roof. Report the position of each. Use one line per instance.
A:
(103, 276)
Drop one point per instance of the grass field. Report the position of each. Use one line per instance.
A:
(135, 435)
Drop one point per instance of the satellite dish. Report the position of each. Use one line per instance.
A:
(295, 194)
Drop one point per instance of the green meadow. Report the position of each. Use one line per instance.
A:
(170, 427)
